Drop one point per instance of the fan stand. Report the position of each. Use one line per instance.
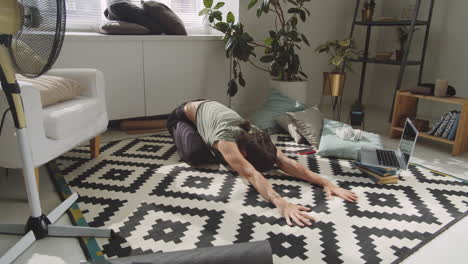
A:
(38, 225)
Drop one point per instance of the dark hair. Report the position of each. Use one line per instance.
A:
(261, 152)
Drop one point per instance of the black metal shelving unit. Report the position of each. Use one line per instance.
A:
(413, 23)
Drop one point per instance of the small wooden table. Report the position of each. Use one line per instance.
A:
(406, 105)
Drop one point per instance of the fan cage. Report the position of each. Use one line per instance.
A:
(36, 47)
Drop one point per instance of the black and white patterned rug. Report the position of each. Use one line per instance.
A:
(155, 203)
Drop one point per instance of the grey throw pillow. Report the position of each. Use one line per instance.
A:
(288, 125)
(122, 28)
(309, 124)
(170, 22)
(124, 10)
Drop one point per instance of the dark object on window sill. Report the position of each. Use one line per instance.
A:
(124, 10)
(428, 89)
(171, 23)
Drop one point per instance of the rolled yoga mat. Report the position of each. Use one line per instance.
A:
(243, 253)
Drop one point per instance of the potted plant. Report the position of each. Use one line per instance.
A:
(279, 50)
(368, 10)
(340, 52)
(403, 35)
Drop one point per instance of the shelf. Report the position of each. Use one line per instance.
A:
(426, 135)
(387, 62)
(391, 23)
(448, 100)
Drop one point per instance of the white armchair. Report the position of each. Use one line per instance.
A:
(58, 128)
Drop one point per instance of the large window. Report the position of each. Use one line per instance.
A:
(83, 15)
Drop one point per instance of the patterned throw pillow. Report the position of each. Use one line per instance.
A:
(54, 89)
(286, 122)
(309, 124)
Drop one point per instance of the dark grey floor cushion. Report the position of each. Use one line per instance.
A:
(170, 22)
(124, 10)
(122, 28)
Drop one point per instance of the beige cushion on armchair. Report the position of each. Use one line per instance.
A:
(58, 128)
(54, 89)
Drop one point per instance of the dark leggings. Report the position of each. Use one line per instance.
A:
(190, 145)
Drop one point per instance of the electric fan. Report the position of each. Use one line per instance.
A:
(31, 36)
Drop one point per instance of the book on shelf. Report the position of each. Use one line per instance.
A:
(450, 124)
(436, 125)
(443, 125)
(453, 131)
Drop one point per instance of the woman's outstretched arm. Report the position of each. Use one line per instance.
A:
(290, 211)
(297, 170)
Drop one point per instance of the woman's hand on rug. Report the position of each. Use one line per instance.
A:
(296, 213)
(333, 190)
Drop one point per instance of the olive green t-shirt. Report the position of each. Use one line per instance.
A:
(216, 122)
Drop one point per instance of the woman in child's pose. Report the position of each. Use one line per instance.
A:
(201, 128)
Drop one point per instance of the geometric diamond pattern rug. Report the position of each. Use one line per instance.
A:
(156, 203)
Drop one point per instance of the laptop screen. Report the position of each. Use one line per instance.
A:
(408, 140)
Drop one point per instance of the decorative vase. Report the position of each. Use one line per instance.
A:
(296, 90)
(367, 14)
(441, 87)
(333, 83)
(399, 55)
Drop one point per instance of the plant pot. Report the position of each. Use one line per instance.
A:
(367, 14)
(333, 83)
(399, 55)
(296, 90)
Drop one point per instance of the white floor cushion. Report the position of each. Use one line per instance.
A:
(66, 118)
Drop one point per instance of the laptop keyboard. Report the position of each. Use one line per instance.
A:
(387, 158)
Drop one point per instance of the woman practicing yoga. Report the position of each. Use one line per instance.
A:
(202, 129)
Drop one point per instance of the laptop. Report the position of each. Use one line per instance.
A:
(398, 159)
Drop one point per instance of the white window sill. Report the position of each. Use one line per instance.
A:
(97, 36)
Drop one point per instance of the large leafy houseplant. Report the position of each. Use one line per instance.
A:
(279, 47)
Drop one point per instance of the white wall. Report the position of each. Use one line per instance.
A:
(329, 20)
(446, 56)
